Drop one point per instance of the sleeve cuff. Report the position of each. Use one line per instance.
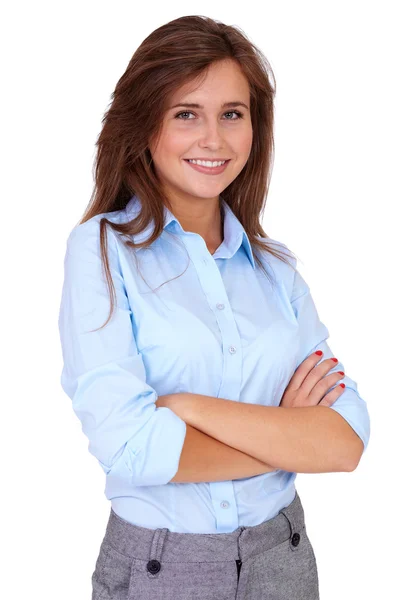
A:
(152, 456)
(352, 415)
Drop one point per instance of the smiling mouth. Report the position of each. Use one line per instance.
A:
(209, 159)
(208, 170)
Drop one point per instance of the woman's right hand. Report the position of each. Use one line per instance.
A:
(310, 383)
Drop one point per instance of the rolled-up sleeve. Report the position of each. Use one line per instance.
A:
(103, 372)
(313, 336)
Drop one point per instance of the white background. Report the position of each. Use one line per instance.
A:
(333, 200)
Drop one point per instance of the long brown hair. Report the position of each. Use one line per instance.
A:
(174, 54)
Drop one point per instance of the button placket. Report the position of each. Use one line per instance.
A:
(224, 502)
(222, 492)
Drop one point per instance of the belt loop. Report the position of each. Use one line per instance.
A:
(154, 563)
(294, 515)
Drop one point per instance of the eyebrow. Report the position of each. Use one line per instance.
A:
(226, 104)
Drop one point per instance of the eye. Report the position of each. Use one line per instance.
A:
(235, 112)
(183, 113)
(231, 112)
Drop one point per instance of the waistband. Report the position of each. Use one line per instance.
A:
(156, 544)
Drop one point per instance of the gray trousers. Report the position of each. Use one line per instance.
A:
(273, 561)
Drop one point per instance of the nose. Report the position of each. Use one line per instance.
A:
(211, 136)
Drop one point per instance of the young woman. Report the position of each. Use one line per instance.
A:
(186, 331)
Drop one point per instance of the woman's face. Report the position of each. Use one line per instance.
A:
(210, 131)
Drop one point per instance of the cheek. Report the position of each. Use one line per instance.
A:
(176, 142)
(166, 153)
(243, 143)
(169, 144)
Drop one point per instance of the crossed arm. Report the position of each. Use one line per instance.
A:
(313, 439)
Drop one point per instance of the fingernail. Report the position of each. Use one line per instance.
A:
(342, 384)
(335, 359)
(319, 352)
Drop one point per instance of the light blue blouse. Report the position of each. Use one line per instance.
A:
(220, 329)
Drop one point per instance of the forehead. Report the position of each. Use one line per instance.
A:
(222, 80)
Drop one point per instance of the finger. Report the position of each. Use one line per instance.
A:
(324, 385)
(303, 371)
(333, 395)
(316, 377)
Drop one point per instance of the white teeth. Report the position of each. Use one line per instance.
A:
(208, 163)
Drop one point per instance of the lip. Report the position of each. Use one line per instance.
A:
(208, 170)
(202, 158)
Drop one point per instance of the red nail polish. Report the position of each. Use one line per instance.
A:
(341, 372)
(335, 359)
(342, 384)
(319, 352)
